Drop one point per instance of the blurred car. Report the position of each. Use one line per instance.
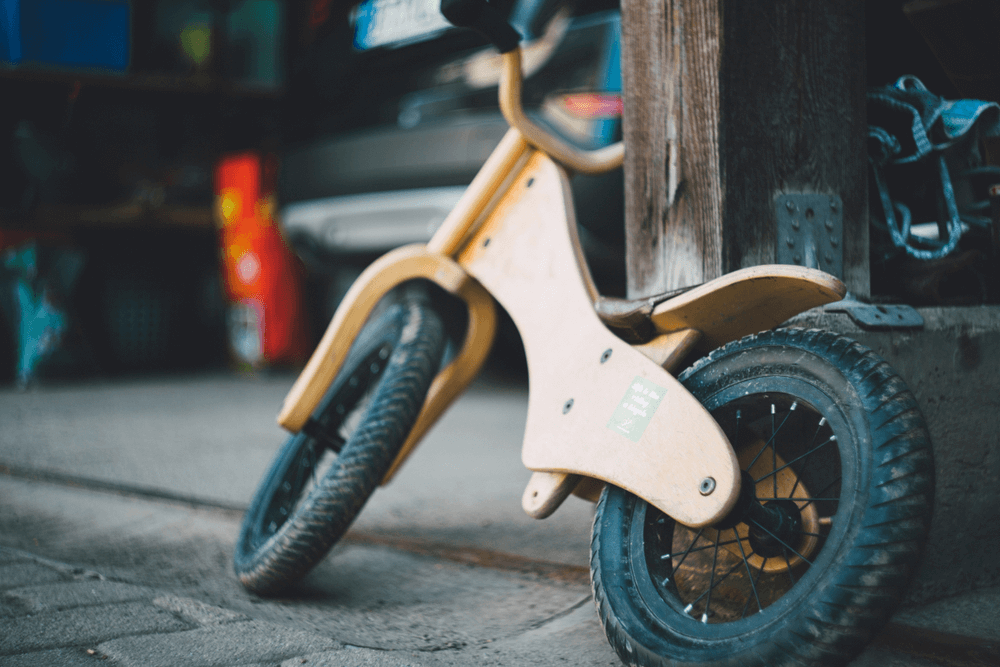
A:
(395, 111)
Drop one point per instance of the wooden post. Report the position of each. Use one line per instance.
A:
(730, 104)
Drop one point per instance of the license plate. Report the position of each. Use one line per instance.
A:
(397, 22)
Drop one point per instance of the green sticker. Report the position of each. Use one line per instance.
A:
(636, 409)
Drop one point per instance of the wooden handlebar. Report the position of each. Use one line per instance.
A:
(589, 162)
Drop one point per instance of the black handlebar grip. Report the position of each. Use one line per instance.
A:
(484, 18)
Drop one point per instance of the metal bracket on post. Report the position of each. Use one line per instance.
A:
(877, 316)
(810, 232)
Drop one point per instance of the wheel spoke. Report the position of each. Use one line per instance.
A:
(774, 432)
(686, 553)
(753, 585)
(784, 552)
(718, 583)
(300, 473)
(822, 491)
(721, 544)
(798, 478)
(774, 449)
(833, 438)
(314, 459)
(711, 585)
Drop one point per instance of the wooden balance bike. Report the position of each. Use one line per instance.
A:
(765, 507)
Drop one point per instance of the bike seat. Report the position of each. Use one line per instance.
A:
(724, 309)
(630, 319)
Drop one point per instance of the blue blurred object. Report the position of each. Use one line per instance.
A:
(40, 323)
(74, 33)
(10, 31)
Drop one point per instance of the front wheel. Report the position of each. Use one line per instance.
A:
(835, 505)
(322, 476)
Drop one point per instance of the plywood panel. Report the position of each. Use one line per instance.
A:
(597, 406)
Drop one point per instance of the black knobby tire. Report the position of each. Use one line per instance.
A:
(846, 438)
(299, 510)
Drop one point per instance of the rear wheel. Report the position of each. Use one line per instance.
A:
(322, 476)
(835, 505)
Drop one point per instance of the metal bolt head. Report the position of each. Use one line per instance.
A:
(829, 258)
(797, 259)
(790, 205)
(790, 242)
(829, 225)
(707, 486)
(833, 205)
(795, 225)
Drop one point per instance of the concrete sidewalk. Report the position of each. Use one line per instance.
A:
(368, 604)
(122, 501)
(210, 438)
(60, 615)
(165, 597)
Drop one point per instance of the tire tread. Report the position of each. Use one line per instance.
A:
(309, 534)
(837, 623)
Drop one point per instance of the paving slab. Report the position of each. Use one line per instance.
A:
(10, 608)
(198, 612)
(18, 574)
(352, 656)
(383, 599)
(218, 646)
(374, 597)
(86, 625)
(878, 656)
(12, 556)
(60, 657)
(976, 614)
(67, 595)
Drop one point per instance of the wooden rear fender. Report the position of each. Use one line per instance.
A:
(746, 301)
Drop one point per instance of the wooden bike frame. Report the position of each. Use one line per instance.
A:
(599, 408)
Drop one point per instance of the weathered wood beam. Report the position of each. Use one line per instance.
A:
(730, 104)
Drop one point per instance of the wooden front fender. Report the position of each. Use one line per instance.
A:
(392, 269)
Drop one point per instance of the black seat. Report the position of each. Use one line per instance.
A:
(629, 318)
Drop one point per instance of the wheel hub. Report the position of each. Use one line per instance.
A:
(774, 527)
(775, 530)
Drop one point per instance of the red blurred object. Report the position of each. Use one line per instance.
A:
(593, 105)
(262, 278)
